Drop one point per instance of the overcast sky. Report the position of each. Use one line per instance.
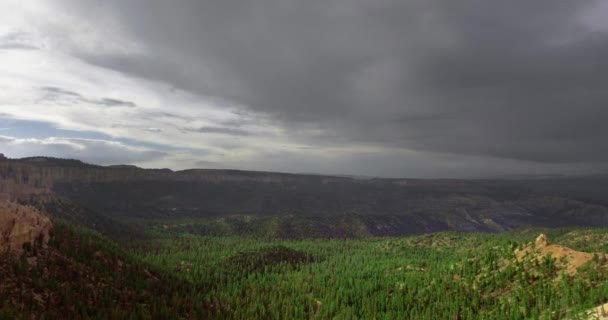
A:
(404, 88)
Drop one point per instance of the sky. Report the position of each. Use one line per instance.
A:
(389, 88)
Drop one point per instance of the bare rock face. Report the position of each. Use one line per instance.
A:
(22, 226)
(542, 241)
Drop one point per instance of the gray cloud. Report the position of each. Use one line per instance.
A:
(222, 130)
(142, 128)
(205, 164)
(56, 94)
(522, 80)
(115, 103)
(17, 41)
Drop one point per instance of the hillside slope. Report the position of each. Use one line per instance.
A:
(81, 275)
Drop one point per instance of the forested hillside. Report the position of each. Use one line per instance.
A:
(436, 276)
(82, 275)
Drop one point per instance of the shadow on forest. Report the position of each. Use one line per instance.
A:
(267, 259)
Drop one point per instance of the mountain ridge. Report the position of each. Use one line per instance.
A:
(77, 191)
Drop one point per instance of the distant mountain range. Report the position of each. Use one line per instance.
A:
(299, 205)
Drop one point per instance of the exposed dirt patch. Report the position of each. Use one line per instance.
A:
(566, 259)
(598, 313)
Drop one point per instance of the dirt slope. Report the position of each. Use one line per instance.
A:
(598, 313)
(567, 260)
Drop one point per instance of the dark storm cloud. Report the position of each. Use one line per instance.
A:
(511, 79)
(59, 94)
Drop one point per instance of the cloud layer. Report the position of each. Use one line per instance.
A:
(425, 88)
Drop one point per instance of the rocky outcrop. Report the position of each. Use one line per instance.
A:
(541, 241)
(566, 259)
(22, 227)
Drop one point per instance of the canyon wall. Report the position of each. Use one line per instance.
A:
(98, 197)
(39, 175)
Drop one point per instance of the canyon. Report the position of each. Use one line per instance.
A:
(99, 196)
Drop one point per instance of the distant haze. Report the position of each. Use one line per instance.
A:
(406, 88)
